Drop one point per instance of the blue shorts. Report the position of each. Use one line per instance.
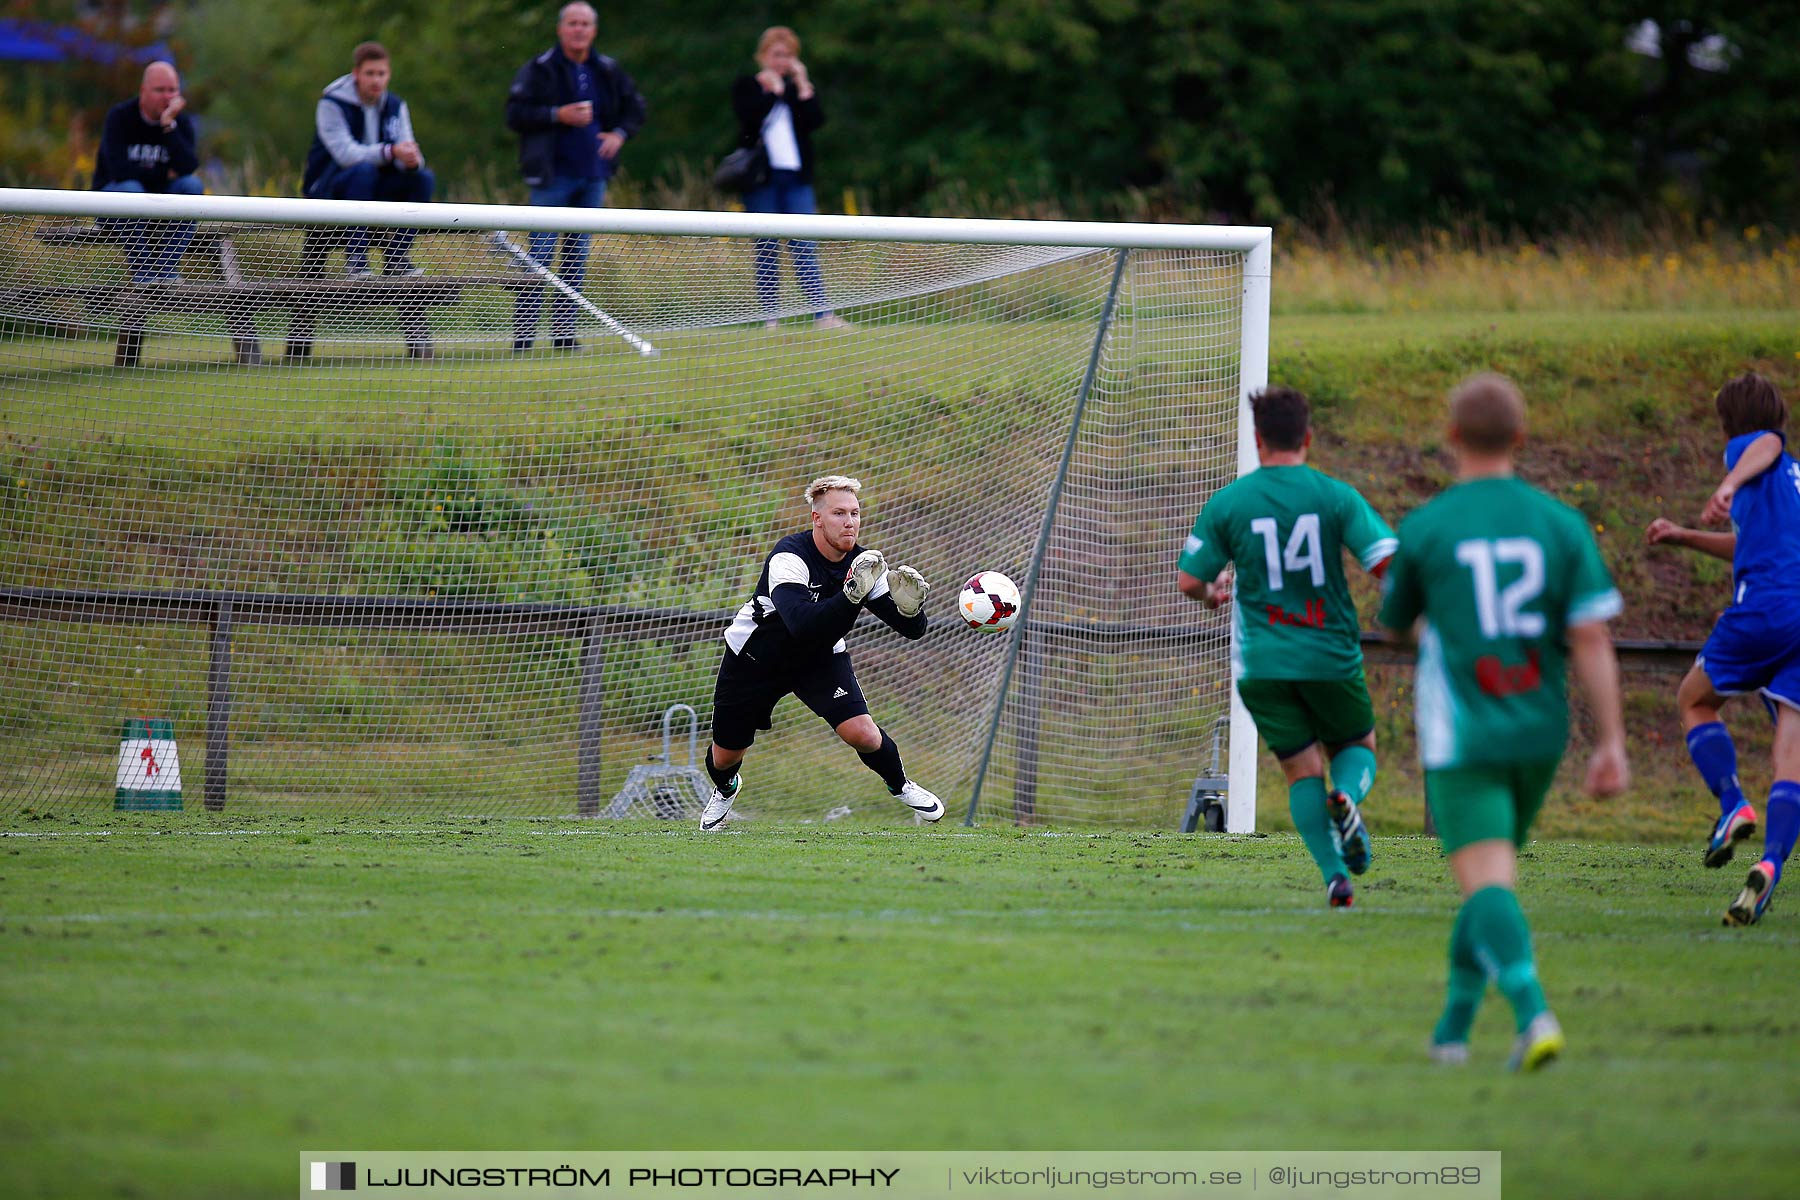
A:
(1756, 650)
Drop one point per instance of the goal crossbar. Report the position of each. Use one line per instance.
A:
(275, 210)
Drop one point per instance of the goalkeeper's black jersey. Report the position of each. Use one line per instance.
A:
(798, 613)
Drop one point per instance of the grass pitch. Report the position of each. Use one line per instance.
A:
(188, 1002)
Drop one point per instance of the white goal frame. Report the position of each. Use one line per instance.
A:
(1253, 243)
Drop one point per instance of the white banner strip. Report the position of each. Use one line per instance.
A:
(914, 1175)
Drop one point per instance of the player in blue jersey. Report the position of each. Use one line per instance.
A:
(789, 637)
(1755, 646)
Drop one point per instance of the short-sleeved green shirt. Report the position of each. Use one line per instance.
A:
(1287, 528)
(1499, 571)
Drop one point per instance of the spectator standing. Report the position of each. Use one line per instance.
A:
(573, 110)
(779, 107)
(363, 148)
(149, 145)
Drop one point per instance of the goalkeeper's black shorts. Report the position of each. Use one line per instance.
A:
(745, 696)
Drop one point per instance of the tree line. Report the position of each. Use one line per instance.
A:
(1526, 114)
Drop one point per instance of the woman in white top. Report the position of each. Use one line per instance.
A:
(779, 107)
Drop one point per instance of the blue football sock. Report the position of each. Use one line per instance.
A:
(1782, 823)
(1715, 757)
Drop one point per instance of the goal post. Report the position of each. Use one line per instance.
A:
(1253, 371)
(453, 537)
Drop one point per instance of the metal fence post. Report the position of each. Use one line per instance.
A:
(218, 707)
(593, 692)
(1029, 715)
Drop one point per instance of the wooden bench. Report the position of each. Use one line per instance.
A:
(238, 299)
(315, 251)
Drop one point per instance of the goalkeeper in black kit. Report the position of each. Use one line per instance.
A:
(789, 637)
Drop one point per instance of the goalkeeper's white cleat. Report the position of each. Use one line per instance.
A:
(908, 588)
(866, 570)
(718, 806)
(927, 807)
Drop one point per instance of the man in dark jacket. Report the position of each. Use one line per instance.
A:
(573, 110)
(148, 145)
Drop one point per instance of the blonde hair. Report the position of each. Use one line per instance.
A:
(830, 483)
(1488, 412)
(777, 33)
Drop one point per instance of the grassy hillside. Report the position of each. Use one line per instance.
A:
(1622, 428)
(1622, 425)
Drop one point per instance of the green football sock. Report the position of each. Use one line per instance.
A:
(1306, 803)
(1468, 984)
(1502, 940)
(1353, 772)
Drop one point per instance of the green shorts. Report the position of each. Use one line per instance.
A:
(1292, 714)
(1477, 804)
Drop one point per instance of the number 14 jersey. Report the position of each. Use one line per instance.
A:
(1498, 571)
(1286, 529)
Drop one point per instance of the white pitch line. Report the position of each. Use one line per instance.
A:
(1182, 917)
(296, 832)
(65, 833)
(161, 917)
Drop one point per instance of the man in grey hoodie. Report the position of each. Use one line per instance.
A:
(363, 149)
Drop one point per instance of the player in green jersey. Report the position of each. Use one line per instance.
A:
(1274, 540)
(1507, 590)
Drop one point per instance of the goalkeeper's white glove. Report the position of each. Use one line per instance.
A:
(866, 571)
(908, 588)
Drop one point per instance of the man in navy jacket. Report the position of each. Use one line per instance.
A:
(573, 110)
(148, 145)
(363, 149)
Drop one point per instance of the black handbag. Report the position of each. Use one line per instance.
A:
(743, 169)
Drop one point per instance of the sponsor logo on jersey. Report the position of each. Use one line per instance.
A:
(1499, 679)
(839, 694)
(1314, 616)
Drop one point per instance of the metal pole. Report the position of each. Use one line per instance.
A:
(218, 707)
(519, 258)
(593, 694)
(1031, 720)
(1043, 542)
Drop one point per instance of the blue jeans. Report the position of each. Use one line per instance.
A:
(373, 181)
(786, 193)
(563, 193)
(153, 252)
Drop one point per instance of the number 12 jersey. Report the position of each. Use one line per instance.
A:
(1499, 571)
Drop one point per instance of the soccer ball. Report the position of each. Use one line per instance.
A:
(989, 602)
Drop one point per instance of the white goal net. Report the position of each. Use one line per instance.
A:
(342, 541)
